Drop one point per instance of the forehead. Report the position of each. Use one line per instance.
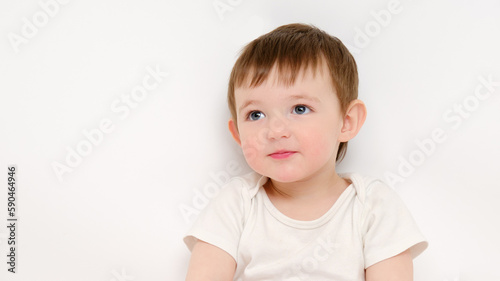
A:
(282, 71)
(308, 80)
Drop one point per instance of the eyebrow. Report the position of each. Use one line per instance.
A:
(304, 97)
(247, 103)
(292, 97)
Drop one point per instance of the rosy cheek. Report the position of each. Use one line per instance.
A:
(319, 144)
(254, 143)
(251, 149)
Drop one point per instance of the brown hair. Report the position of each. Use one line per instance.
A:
(292, 48)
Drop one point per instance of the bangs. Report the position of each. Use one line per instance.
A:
(289, 53)
(287, 70)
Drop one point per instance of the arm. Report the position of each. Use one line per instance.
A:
(397, 268)
(210, 263)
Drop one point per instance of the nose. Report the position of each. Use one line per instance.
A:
(278, 128)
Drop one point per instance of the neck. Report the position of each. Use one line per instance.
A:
(312, 188)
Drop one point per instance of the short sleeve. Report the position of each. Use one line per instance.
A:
(387, 226)
(220, 223)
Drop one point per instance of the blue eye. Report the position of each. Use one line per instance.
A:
(255, 115)
(301, 109)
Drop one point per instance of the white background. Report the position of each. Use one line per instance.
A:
(117, 214)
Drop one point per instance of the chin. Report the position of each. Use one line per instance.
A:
(285, 176)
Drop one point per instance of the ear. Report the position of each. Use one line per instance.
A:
(234, 131)
(353, 120)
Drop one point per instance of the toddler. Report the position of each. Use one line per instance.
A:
(293, 101)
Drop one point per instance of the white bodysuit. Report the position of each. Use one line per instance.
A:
(368, 223)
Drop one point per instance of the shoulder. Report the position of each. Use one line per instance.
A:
(375, 197)
(222, 221)
(379, 203)
(244, 187)
(368, 188)
(386, 225)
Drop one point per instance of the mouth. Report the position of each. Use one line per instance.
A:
(282, 154)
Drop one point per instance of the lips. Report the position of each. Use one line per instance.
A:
(282, 154)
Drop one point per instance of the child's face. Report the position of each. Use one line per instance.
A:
(289, 133)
